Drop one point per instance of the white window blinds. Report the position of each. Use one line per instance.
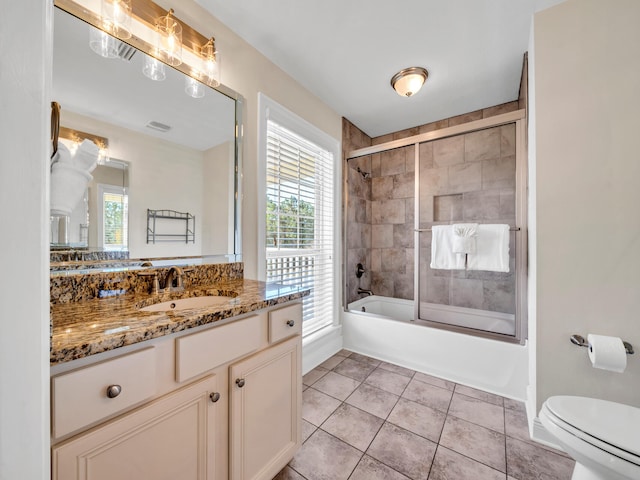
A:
(299, 221)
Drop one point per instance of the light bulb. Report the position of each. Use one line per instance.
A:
(153, 69)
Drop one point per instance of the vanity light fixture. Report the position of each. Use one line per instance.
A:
(153, 68)
(114, 21)
(409, 81)
(211, 63)
(116, 18)
(77, 136)
(169, 46)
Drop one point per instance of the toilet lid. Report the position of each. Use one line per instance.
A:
(610, 422)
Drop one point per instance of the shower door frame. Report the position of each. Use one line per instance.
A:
(518, 117)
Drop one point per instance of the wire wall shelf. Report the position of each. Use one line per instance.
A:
(158, 222)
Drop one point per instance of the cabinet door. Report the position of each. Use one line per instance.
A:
(266, 408)
(170, 438)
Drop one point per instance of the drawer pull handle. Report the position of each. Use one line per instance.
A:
(113, 391)
(240, 382)
(215, 396)
(291, 323)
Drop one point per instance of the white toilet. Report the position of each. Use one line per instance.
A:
(602, 437)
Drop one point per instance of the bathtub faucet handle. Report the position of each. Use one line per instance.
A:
(360, 270)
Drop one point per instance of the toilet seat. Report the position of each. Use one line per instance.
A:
(608, 426)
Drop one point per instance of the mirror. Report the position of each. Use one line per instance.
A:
(191, 167)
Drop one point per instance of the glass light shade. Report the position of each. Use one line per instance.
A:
(169, 46)
(102, 43)
(193, 87)
(409, 81)
(116, 17)
(153, 69)
(210, 64)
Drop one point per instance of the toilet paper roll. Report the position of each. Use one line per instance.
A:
(607, 353)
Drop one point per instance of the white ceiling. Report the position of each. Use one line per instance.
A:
(346, 51)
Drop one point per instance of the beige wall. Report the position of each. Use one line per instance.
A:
(248, 72)
(587, 64)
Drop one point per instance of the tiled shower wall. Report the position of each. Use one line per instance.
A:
(468, 178)
(380, 211)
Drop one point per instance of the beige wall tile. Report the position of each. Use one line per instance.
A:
(465, 118)
(430, 127)
(448, 207)
(482, 145)
(499, 173)
(382, 236)
(465, 177)
(381, 188)
(448, 151)
(388, 211)
(466, 293)
(482, 205)
(500, 109)
(393, 162)
(508, 140)
(403, 185)
(426, 155)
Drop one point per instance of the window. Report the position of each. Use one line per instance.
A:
(113, 217)
(300, 217)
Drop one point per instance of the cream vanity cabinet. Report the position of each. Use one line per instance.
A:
(221, 402)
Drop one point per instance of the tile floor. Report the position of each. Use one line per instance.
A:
(369, 420)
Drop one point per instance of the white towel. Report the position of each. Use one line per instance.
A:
(492, 249)
(442, 256)
(464, 237)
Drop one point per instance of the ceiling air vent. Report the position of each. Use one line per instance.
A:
(160, 127)
(126, 52)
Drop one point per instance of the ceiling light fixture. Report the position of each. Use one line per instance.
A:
(409, 81)
(169, 46)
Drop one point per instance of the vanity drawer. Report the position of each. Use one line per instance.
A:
(81, 397)
(285, 322)
(202, 351)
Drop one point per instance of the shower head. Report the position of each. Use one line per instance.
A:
(363, 173)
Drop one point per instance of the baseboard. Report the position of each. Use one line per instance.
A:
(541, 435)
(318, 347)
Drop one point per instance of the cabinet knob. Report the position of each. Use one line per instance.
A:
(215, 396)
(291, 323)
(240, 382)
(113, 391)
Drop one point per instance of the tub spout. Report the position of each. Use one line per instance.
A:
(363, 291)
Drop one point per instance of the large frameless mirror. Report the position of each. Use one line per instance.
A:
(165, 184)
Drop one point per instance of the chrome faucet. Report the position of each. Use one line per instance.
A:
(364, 291)
(174, 274)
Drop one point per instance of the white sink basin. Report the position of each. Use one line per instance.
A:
(187, 303)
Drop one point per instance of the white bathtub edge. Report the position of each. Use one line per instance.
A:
(490, 365)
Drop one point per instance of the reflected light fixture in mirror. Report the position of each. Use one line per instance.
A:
(169, 46)
(102, 43)
(409, 81)
(76, 136)
(193, 87)
(153, 68)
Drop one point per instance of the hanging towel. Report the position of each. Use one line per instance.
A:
(442, 256)
(464, 237)
(492, 249)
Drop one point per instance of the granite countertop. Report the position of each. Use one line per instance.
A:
(80, 329)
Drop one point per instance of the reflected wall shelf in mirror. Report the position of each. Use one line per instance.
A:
(156, 232)
(196, 166)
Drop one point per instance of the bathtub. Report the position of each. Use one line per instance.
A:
(386, 330)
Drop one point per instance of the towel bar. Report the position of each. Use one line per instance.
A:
(420, 230)
(580, 341)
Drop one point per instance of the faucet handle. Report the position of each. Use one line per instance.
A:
(155, 286)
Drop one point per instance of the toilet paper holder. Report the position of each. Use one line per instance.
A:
(580, 341)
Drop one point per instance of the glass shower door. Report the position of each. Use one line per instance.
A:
(468, 178)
